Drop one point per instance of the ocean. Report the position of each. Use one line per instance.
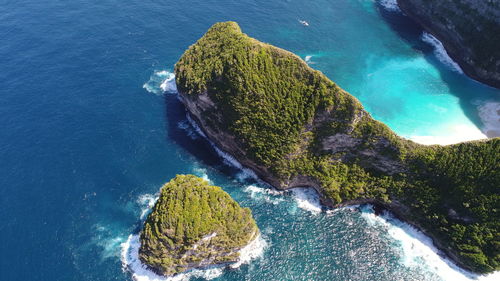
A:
(91, 128)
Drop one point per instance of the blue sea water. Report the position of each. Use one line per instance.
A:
(88, 135)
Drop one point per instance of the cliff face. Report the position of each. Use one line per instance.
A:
(194, 225)
(468, 30)
(294, 127)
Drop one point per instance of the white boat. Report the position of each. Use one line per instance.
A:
(304, 23)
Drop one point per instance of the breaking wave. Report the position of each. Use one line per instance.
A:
(161, 82)
(440, 52)
(146, 202)
(307, 199)
(417, 249)
(267, 194)
(390, 5)
(489, 112)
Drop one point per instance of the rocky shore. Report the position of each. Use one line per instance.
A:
(468, 30)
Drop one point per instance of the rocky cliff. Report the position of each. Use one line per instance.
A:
(193, 225)
(294, 127)
(468, 29)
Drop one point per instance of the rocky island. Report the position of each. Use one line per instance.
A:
(468, 29)
(193, 225)
(294, 127)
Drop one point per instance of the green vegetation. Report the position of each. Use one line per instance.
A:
(194, 224)
(295, 122)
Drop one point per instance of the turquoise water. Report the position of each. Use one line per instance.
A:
(84, 146)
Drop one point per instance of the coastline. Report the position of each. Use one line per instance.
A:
(454, 52)
(395, 208)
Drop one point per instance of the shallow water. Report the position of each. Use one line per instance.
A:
(85, 147)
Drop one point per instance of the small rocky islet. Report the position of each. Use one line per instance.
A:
(194, 225)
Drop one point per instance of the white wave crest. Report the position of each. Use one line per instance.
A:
(489, 112)
(417, 249)
(307, 199)
(146, 202)
(161, 82)
(269, 195)
(251, 251)
(390, 5)
(202, 172)
(228, 159)
(440, 52)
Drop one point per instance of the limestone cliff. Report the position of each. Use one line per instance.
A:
(468, 29)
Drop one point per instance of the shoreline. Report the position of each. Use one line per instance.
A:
(453, 52)
(395, 208)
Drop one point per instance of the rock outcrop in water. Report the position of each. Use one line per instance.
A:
(294, 127)
(468, 29)
(193, 225)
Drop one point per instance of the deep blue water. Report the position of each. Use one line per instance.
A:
(83, 145)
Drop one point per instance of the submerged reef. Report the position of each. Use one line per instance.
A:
(294, 127)
(194, 225)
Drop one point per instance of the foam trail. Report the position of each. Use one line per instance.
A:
(390, 5)
(161, 82)
(489, 112)
(251, 251)
(307, 199)
(440, 52)
(269, 195)
(147, 201)
(417, 249)
(228, 159)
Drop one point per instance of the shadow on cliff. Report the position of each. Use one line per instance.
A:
(183, 134)
(460, 85)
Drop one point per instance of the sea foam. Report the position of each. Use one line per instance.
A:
(307, 199)
(440, 52)
(161, 82)
(390, 5)
(417, 250)
(489, 112)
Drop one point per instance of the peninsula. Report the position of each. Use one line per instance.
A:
(294, 127)
(194, 225)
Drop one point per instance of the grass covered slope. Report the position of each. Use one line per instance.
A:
(194, 224)
(295, 127)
